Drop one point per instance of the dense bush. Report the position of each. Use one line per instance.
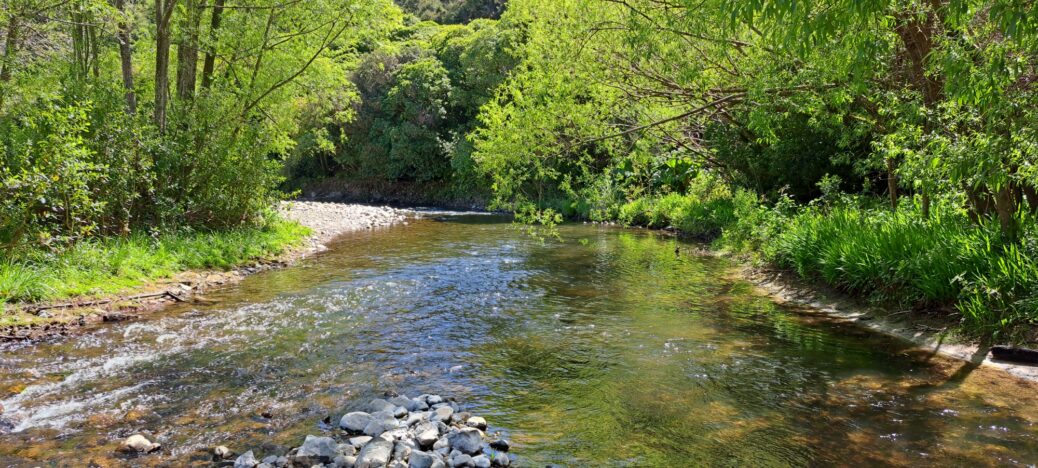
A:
(418, 98)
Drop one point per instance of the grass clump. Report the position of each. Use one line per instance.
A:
(111, 265)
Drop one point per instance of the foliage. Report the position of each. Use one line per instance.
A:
(453, 11)
(418, 99)
(96, 139)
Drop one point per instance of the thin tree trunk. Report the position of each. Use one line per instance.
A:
(163, 13)
(1005, 207)
(892, 183)
(126, 59)
(10, 48)
(926, 203)
(187, 53)
(210, 55)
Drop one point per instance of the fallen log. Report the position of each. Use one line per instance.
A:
(40, 308)
(1008, 353)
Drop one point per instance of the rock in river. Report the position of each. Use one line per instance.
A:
(476, 422)
(467, 440)
(500, 445)
(375, 454)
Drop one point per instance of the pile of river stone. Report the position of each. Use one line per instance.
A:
(401, 432)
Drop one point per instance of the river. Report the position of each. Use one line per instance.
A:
(605, 347)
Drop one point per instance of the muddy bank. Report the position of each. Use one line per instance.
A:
(327, 220)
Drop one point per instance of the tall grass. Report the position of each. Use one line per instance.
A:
(102, 266)
(889, 257)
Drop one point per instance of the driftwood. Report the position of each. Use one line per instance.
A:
(66, 305)
(1007, 353)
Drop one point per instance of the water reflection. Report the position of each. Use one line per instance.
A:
(604, 348)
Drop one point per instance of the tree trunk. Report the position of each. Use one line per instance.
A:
(163, 13)
(1032, 198)
(187, 52)
(126, 59)
(926, 203)
(892, 183)
(1005, 207)
(210, 55)
(10, 47)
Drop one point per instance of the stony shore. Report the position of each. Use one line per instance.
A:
(427, 431)
(327, 220)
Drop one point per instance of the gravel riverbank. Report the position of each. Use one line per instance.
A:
(423, 432)
(327, 220)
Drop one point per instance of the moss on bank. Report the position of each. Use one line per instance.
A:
(113, 265)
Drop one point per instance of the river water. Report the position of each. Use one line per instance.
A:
(602, 348)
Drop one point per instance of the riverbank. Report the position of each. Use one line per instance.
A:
(118, 279)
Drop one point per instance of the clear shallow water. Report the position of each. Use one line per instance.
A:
(603, 349)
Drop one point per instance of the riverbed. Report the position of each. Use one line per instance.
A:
(604, 347)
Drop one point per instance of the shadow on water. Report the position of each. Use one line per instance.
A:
(603, 348)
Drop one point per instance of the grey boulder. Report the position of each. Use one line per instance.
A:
(375, 454)
(355, 421)
(316, 450)
(246, 460)
(467, 440)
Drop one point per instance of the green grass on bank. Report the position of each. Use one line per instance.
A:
(112, 265)
(860, 246)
